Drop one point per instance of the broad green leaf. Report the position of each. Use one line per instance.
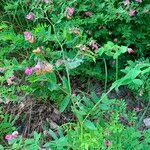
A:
(64, 103)
(73, 63)
(90, 125)
(66, 85)
(138, 81)
(123, 49)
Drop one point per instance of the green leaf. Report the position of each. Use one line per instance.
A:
(51, 77)
(138, 81)
(90, 125)
(52, 134)
(1, 147)
(123, 49)
(37, 136)
(73, 63)
(147, 70)
(100, 51)
(64, 103)
(66, 85)
(94, 97)
(103, 107)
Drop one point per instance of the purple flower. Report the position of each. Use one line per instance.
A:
(132, 12)
(9, 137)
(126, 2)
(93, 45)
(88, 13)
(28, 71)
(27, 35)
(15, 134)
(139, 1)
(37, 66)
(30, 16)
(130, 50)
(70, 11)
(107, 143)
(46, 1)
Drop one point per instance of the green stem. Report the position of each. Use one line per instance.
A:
(95, 106)
(116, 68)
(106, 74)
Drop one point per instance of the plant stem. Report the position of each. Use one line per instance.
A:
(111, 88)
(116, 68)
(106, 74)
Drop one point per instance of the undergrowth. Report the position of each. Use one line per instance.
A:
(53, 51)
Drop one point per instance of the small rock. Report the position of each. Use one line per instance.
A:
(147, 122)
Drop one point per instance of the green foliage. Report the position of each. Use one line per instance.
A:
(6, 125)
(46, 45)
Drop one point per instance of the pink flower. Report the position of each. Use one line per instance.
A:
(46, 1)
(94, 45)
(8, 137)
(11, 136)
(137, 109)
(88, 13)
(37, 66)
(107, 143)
(28, 71)
(126, 2)
(132, 12)
(140, 1)
(10, 80)
(7, 100)
(27, 35)
(58, 62)
(15, 134)
(70, 11)
(130, 50)
(30, 16)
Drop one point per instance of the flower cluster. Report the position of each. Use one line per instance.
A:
(130, 50)
(69, 12)
(10, 80)
(29, 37)
(14, 135)
(30, 16)
(93, 45)
(40, 68)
